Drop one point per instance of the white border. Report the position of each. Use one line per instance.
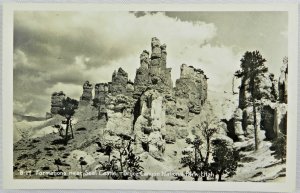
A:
(7, 82)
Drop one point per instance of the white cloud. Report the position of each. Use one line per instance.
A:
(71, 90)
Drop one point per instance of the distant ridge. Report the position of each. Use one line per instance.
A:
(28, 118)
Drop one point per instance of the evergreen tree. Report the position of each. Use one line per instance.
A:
(68, 110)
(279, 147)
(252, 65)
(82, 163)
(207, 133)
(193, 159)
(225, 158)
(127, 164)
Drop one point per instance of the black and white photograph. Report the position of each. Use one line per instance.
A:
(200, 96)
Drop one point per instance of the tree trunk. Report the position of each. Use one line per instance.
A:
(121, 165)
(207, 151)
(67, 131)
(196, 161)
(71, 129)
(204, 178)
(254, 123)
(81, 171)
(254, 112)
(220, 176)
(233, 85)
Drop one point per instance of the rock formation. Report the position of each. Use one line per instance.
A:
(267, 89)
(152, 71)
(283, 82)
(271, 107)
(57, 102)
(149, 109)
(87, 92)
(119, 82)
(192, 85)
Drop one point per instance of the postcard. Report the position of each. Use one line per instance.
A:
(150, 96)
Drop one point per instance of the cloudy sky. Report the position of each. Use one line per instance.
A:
(56, 51)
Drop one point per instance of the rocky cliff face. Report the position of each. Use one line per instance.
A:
(283, 82)
(56, 102)
(149, 109)
(271, 108)
(87, 92)
(267, 89)
(192, 85)
(153, 71)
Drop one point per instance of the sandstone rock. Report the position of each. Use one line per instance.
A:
(182, 110)
(158, 114)
(152, 107)
(101, 92)
(57, 102)
(195, 108)
(129, 88)
(283, 82)
(267, 122)
(155, 62)
(170, 136)
(156, 50)
(238, 114)
(76, 155)
(141, 80)
(265, 90)
(250, 131)
(144, 107)
(108, 139)
(223, 128)
(147, 130)
(119, 82)
(144, 59)
(192, 85)
(163, 61)
(153, 73)
(171, 108)
(239, 130)
(87, 92)
(118, 124)
(182, 133)
(156, 145)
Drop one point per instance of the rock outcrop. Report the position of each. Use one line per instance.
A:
(87, 92)
(153, 71)
(267, 89)
(283, 82)
(150, 125)
(192, 85)
(149, 109)
(57, 102)
(119, 82)
(271, 107)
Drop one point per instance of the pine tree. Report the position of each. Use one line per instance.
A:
(207, 133)
(279, 147)
(194, 160)
(68, 110)
(225, 158)
(252, 65)
(127, 164)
